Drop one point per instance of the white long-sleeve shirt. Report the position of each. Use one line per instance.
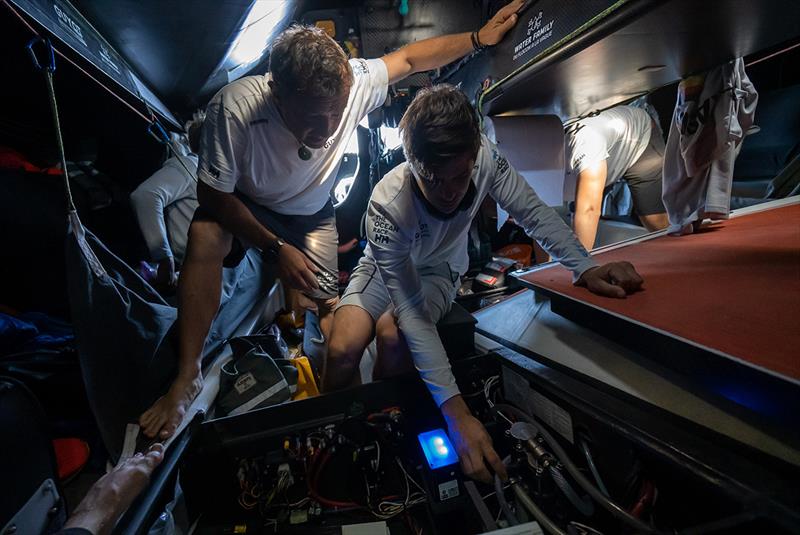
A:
(164, 205)
(404, 236)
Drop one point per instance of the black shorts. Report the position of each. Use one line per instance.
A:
(315, 235)
(644, 177)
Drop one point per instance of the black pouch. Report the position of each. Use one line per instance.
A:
(259, 374)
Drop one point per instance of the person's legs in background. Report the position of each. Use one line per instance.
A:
(644, 181)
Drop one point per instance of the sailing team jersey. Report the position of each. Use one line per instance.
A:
(404, 236)
(246, 145)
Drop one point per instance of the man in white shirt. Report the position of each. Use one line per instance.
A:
(418, 220)
(621, 143)
(165, 204)
(270, 150)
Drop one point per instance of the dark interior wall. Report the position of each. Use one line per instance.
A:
(87, 112)
(175, 45)
(384, 30)
(774, 74)
(32, 206)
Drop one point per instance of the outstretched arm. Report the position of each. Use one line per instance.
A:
(391, 250)
(588, 202)
(439, 51)
(513, 193)
(150, 199)
(615, 279)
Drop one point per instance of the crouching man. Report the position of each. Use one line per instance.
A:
(417, 223)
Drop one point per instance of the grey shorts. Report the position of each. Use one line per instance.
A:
(315, 235)
(644, 177)
(367, 291)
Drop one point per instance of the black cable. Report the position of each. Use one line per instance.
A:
(584, 504)
(722, 524)
(501, 498)
(592, 467)
(545, 522)
(615, 509)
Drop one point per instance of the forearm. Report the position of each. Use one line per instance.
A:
(232, 214)
(428, 353)
(418, 328)
(92, 521)
(586, 220)
(433, 53)
(149, 210)
(439, 51)
(540, 221)
(588, 202)
(454, 409)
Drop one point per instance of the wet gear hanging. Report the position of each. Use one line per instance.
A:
(713, 114)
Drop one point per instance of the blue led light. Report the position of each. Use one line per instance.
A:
(437, 448)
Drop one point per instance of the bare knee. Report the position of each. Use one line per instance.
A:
(653, 222)
(394, 357)
(208, 241)
(343, 353)
(387, 333)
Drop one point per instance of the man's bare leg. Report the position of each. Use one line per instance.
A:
(394, 357)
(199, 293)
(653, 222)
(353, 328)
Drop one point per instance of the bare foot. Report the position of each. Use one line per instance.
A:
(166, 414)
(113, 493)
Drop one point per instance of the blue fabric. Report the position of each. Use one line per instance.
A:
(53, 332)
(14, 332)
(32, 331)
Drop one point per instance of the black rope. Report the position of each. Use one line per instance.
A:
(158, 133)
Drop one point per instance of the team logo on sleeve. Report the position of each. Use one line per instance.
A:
(500, 161)
(381, 230)
(360, 67)
(423, 232)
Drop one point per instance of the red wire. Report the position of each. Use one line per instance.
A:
(313, 475)
(646, 496)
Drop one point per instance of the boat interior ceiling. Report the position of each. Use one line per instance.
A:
(639, 47)
(184, 49)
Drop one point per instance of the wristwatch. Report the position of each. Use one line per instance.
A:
(274, 250)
